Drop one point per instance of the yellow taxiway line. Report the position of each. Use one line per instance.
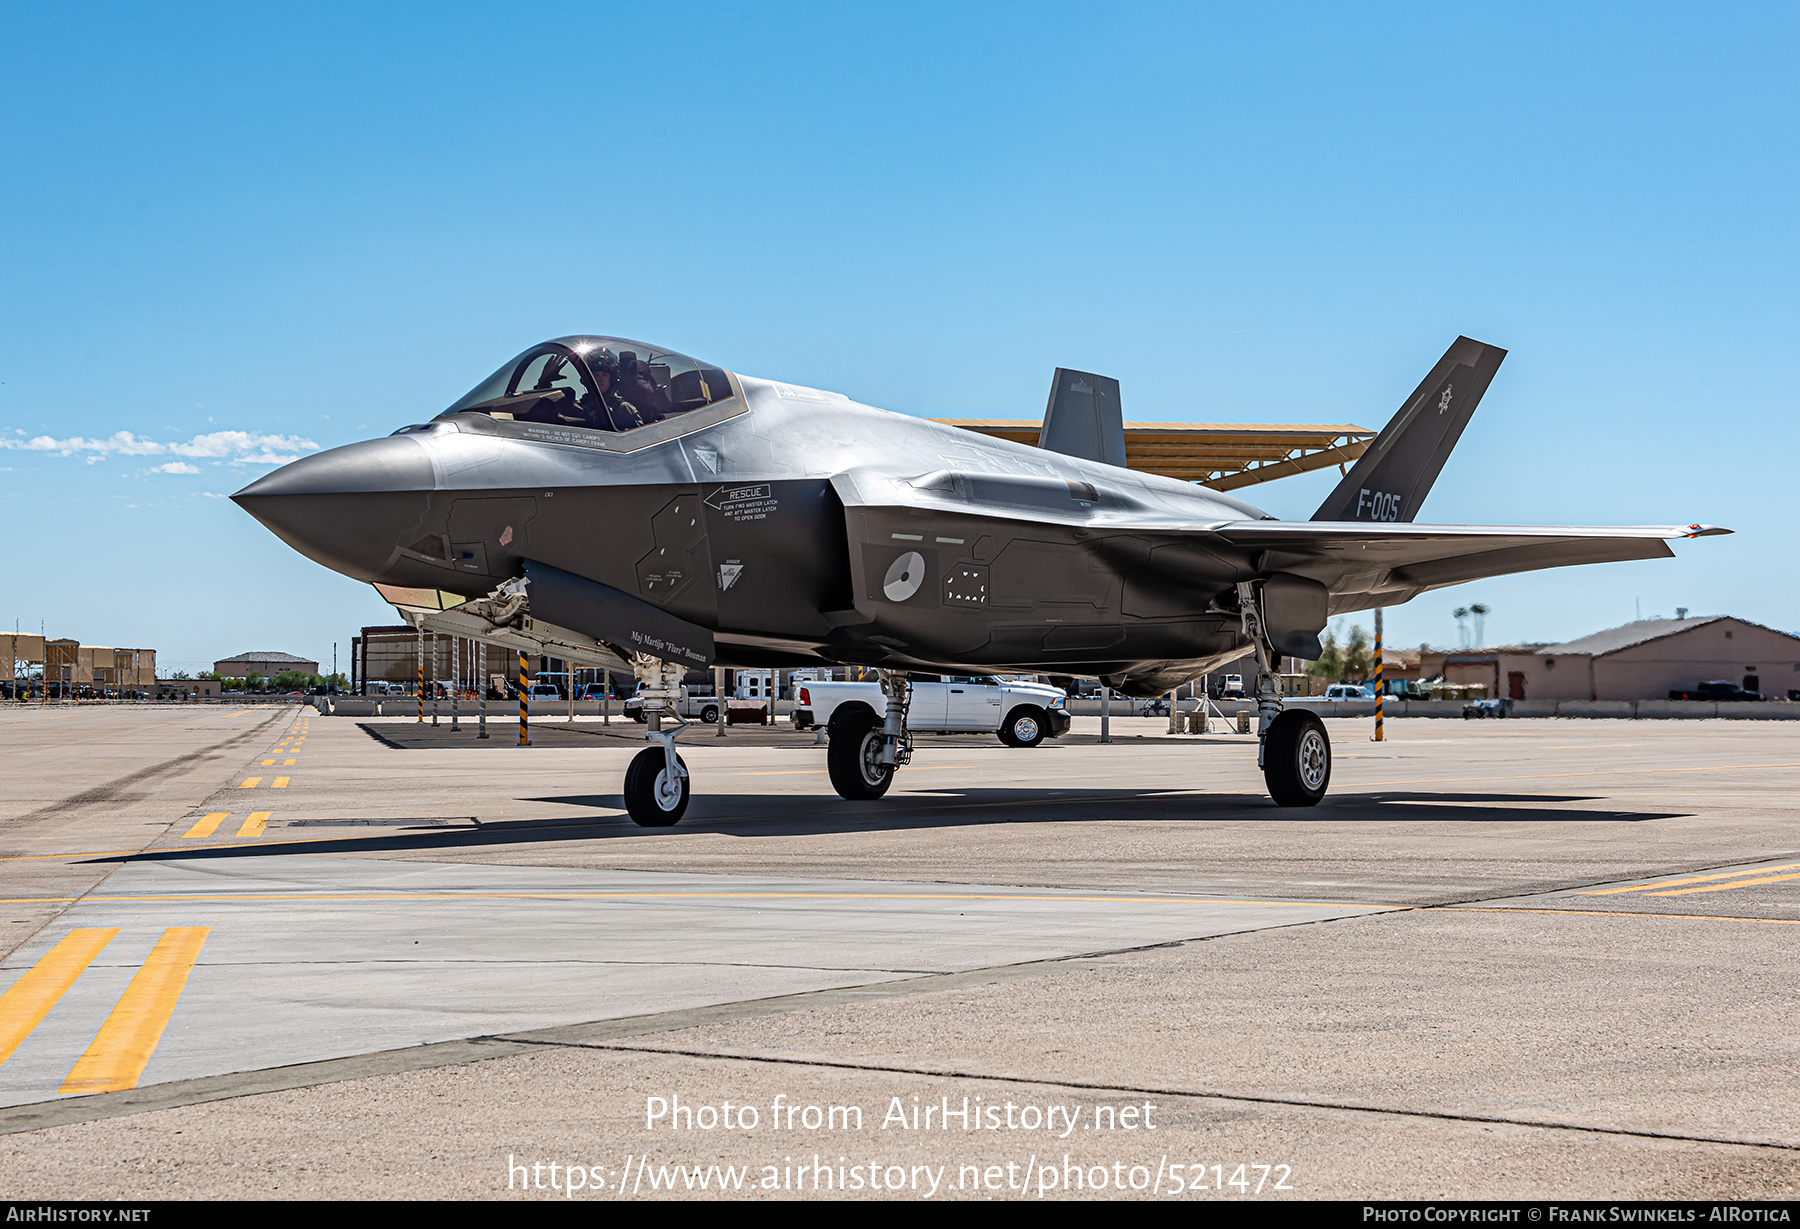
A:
(1726, 887)
(28, 1000)
(122, 1048)
(1686, 917)
(1682, 882)
(1546, 776)
(207, 826)
(217, 898)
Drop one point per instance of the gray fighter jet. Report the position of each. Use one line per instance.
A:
(620, 505)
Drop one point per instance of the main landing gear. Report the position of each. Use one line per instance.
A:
(656, 782)
(865, 749)
(1292, 747)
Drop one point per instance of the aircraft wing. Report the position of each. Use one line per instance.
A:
(1364, 565)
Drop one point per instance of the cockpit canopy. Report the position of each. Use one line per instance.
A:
(601, 383)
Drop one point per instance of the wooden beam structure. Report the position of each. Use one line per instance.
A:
(1220, 455)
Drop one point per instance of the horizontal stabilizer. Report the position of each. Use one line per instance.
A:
(1392, 477)
(1083, 418)
(1401, 561)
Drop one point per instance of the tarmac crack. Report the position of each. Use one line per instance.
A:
(1162, 1091)
(550, 964)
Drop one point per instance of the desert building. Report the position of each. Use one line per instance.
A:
(266, 663)
(1648, 659)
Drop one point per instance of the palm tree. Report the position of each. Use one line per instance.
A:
(1462, 625)
(1481, 613)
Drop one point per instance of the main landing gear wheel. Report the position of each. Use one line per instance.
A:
(1296, 759)
(856, 772)
(652, 800)
(1024, 727)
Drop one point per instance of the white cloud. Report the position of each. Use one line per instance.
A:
(267, 458)
(175, 467)
(238, 447)
(241, 445)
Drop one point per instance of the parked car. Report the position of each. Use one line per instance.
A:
(1021, 714)
(1500, 706)
(1232, 688)
(1349, 691)
(1716, 690)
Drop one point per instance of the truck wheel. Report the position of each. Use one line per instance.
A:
(709, 715)
(651, 799)
(855, 742)
(1297, 759)
(1025, 726)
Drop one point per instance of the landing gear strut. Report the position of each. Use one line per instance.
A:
(866, 749)
(656, 782)
(1292, 748)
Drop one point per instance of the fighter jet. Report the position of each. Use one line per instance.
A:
(620, 505)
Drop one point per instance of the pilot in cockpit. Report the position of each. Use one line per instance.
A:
(635, 388)
(599, 408)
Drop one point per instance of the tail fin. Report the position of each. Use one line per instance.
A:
(1083, 418)
(1392, 478)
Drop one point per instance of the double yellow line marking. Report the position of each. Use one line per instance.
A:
(1709, 883)
(121, 1050)
(209, 824)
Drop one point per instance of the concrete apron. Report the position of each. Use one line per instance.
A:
(327, 958)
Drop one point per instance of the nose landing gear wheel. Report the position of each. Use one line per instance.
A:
(1297, 759)
(856, 774)
(651, 799)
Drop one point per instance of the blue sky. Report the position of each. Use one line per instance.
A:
(238, 233)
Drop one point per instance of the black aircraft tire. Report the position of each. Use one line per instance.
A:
(1025, 726)
(855, 739)
(646, 806)
(709, 715)
(1297, 759)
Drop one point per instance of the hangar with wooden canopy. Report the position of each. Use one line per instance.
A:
(1221, 455)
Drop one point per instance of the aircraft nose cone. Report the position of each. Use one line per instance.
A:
(348, 508)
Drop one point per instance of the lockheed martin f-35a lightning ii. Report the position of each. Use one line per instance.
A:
(619, 505)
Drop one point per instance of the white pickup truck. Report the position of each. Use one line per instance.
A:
(1022, 714)
(702, 706)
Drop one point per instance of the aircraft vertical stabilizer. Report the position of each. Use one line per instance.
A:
(1083, 418)
(1392, 478)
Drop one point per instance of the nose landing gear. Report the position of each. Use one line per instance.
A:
(655, 797)
(656, 782)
